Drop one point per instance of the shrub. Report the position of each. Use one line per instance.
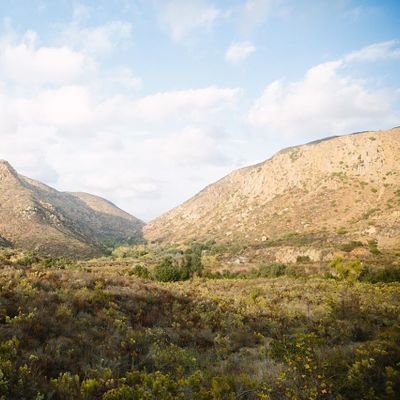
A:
(67, 335)
(370, 212)
(373, 247)
(350, 270)
(136, 251)
(302, 259)
(209, 261)
(226, 274)
(26, 260)
(269, 271)
(348, 247)
(140, 271)
(122, 393)
(387, 274)
(166, 271)
(193, 257)
(60, 263)
(374, 373)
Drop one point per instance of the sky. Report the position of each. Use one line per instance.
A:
(146, 102)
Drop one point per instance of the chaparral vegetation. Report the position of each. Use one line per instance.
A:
(148, 323)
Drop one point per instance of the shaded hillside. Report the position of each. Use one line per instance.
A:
(37, 217)
(4, 242)
(348, 185)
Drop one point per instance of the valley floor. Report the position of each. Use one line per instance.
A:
(98, 332)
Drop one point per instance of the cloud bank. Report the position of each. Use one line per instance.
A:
(328, 99)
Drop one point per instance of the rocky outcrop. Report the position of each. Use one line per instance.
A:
(347, 186)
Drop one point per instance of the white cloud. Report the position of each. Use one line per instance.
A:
(144, 174)
(31, 66)
(192, 146)
(238, 52)
(181, 17)
(255, 12)
(123, 77)
(81, 109)
(80, 127)
(325, 101)
(64, 106)
(194, 104)
(8, 117)
(25, 63)
(76, 136)
(77, 122)
(377, 51)
(97, 40)
(167, 109)
(328, 100)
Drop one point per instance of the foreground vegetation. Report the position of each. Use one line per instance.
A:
(93, 331)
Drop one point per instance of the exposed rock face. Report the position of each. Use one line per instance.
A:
(348, 184)
(37, 217)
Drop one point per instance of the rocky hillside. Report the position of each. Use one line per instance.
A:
(37, 217)
(336, 189)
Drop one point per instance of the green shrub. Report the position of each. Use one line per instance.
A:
(226, 274)
(166, 271)
(370, 212)
(54, 262)
(66, 385)
(374, 373)
(122, 393)
(60, 263)
(387, 274)
(193, 257)
(350, 270)
(373, 247)
(178, 265)
(136, 251)
(303, 259)
(26, 260)
(212, 275)
(348, 247)
(209, 261)
(140, 271)
(269, 271)
(71, 335)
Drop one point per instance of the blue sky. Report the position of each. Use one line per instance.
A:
(146, 102)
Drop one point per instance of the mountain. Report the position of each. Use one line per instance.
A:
(334, 189)
(34, 216)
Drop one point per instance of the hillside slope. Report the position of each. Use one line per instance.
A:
(348, 184)
(37, 217)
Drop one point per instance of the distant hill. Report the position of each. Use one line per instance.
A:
(34, 216)
(345, 187)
